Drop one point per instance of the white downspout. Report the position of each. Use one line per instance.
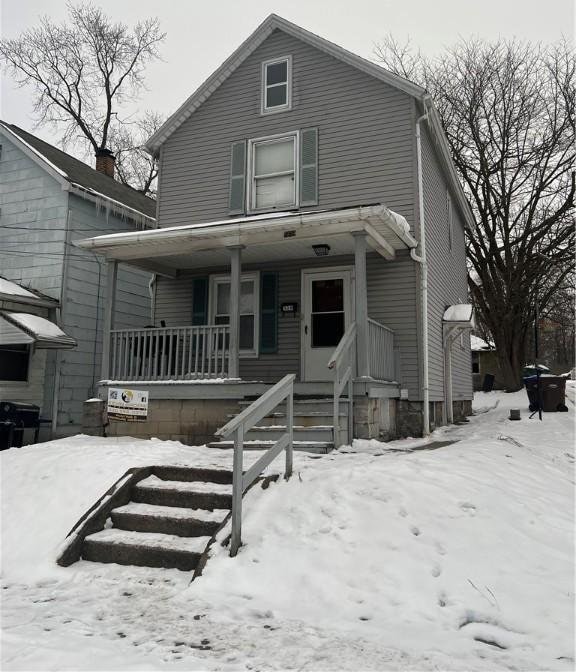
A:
(421, 259)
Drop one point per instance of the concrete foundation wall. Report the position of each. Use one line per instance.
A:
(191, 421)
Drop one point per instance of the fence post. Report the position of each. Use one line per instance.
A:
(290, 428)
(236, 539)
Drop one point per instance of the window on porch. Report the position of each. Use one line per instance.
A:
(249, 309)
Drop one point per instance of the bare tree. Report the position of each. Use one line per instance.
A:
(134, 165)
(508, 109)
(82, 71)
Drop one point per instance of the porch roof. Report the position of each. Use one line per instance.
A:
(267, 237)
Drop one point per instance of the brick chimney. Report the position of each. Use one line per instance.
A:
(105, 161)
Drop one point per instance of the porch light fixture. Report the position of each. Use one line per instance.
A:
(321, 250)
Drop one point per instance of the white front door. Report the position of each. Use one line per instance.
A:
(326, 313)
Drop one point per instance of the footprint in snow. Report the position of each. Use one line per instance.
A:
(402, 512)
(436, 571)
(440, 548)
(415, 531)
(468, 507)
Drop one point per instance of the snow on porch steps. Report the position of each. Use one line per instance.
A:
(179, 521)
(186, 494)
(216, 516)
(144, 548)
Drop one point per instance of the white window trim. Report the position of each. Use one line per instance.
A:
(277, 108)
(255, 276)
(251, 182)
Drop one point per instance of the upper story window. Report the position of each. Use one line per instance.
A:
(273, 172)
(277, 85)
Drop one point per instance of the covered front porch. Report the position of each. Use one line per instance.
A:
(236, 328)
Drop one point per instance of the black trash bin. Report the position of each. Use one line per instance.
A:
(6, 435)
(552, 390)
(21, 416)
(488, 384)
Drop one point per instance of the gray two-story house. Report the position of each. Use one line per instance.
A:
(309, 221)
(52, 294)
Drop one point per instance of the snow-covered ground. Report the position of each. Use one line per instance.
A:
(375, 557)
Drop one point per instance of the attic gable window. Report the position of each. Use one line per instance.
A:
(277, 85)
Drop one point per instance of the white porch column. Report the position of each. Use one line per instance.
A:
(235, 279)
(361, 296)
(109, 310)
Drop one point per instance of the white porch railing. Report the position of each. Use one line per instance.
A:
(242, 423)
(169, 353)
(343, 361)
(381, 351)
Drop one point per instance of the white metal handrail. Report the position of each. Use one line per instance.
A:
(342, 361)
(242, 423)
(381, 360)
(170, 353)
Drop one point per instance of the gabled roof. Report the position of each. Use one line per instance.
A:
(79, 175)
(264, 30)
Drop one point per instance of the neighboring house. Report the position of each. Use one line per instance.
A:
(301, 189)
(48, 200)
(484, 363)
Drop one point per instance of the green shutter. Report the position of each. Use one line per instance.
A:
(200, 301)
(309, 166)
(238, 178)
(268, 312)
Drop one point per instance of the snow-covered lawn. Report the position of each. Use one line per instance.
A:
(376, 557)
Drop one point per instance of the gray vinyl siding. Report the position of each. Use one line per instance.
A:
(447, 283)
(391, 301)
(33, 201)
(365, 136)
(83, 308)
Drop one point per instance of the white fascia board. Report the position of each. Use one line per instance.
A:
(221, 234)
(29, 301)
(271, 23)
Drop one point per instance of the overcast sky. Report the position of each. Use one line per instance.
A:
(200, 35)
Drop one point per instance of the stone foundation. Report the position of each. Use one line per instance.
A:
(409, 416)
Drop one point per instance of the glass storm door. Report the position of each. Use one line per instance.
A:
(327, 314)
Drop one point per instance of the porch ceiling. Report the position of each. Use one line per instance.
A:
(265, 238)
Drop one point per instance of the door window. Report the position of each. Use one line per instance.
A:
(328, 319)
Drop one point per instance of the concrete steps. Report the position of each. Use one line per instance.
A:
(144, 549)
(169, 521)
(313, 428)
(307, 446)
